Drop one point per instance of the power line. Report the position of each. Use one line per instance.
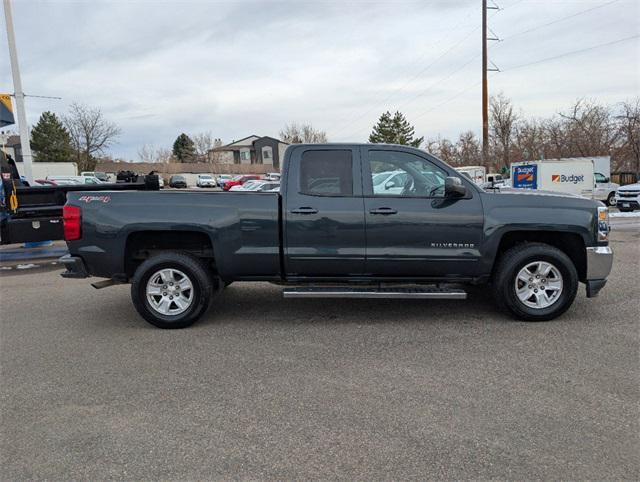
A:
(449, 99)
(405, 84)
(562, 19)
(573, 52)
(417, 75)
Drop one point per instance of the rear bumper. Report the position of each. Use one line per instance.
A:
(75, 267)
(599, 263)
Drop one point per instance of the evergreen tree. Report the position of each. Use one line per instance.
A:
(394, 130)
(184, 149)
(50, 140)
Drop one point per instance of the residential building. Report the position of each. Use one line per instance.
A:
(10, 144)
(251, 150)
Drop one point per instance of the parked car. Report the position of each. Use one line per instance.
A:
(243, 187)
(177, 181)
(77, 179)
(222, 178)
(239, 181)
(389, 182)
(205, 180)
(272, 176)
(605, 190)
(102, 176)
(328, 225)
(496, 180)
(259, 185)
(58, 182)
(628, 197)
(267, 186)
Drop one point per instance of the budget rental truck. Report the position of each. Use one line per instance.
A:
(571, 177)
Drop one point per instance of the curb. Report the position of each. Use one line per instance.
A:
(31, 254)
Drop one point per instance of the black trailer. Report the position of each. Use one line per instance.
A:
(30, 214)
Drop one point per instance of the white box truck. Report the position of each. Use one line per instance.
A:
(42, 170)
(572, 177)
(477, 174)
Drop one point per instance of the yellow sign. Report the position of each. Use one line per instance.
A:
(6, 100)
(6, 110)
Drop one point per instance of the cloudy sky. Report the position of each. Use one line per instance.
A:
(158, 68)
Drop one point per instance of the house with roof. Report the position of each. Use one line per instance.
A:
(251, 150)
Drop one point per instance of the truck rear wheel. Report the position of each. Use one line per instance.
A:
(535, 282)
(171, 290)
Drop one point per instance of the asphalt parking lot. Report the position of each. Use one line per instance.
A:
(268, 389)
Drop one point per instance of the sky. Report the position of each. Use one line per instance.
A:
(235, 68)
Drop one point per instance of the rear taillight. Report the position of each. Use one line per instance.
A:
(71, 220)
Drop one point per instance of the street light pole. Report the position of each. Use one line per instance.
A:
(19, 94)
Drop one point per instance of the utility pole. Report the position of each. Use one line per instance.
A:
(19, 94)
(485, 84)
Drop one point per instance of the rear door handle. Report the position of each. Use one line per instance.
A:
(383, 211)
(304, 210)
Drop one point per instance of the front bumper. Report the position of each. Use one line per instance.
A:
(75, 267)
(627, 203)
(599, 263)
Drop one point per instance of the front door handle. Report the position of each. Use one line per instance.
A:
(304, 210)
(383, 211)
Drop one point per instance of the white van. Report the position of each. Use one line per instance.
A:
(572, 177)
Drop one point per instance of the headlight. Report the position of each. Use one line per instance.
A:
(603, 223)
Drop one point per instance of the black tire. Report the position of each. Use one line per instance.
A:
(196, 272)
(611, 199)
(520, 256)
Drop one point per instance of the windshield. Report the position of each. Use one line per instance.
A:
(205, 176)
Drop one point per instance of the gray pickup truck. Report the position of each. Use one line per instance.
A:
(351, 220)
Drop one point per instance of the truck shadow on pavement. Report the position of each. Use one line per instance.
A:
(262, 303)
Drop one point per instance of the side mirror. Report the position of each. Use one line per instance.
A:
(453, 187)
(388, 185)
(606, 179)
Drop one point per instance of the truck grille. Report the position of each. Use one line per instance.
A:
(628, 193)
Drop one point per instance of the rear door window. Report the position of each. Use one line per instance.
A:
(326, 173)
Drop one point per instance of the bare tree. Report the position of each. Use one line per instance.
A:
(90, 133)
(468, 149)
(629, 128)
(502, 123)
(149, 153)
(530, 140)
(589, 128)
(302, 134)
(585, 129)
(204, 143)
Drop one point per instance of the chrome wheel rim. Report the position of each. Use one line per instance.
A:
(538, 285)
(169, 292)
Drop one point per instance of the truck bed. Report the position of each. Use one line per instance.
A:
(241, 229)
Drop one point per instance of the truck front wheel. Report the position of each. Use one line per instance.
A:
(171, 290)
(535, 282)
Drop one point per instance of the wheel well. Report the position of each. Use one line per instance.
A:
(144, 244)
(571, 244)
